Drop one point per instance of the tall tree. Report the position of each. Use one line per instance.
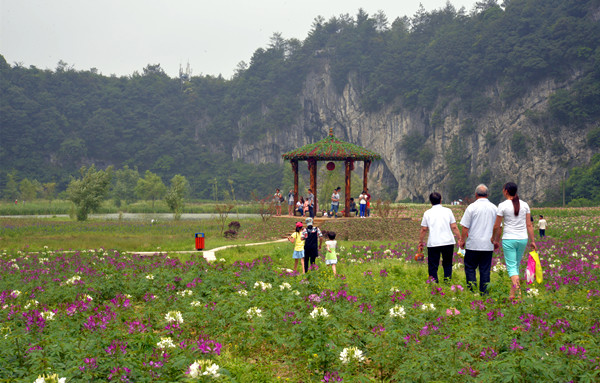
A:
(88, 192)
(150, 187)
(176, 194)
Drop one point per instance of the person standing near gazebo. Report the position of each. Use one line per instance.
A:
(310, 198)
(335, 201)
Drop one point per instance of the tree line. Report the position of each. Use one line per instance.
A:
(53, 122)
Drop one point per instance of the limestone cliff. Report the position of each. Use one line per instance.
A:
(538, 167)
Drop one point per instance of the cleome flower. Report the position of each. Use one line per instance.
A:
(350, 354)
(165, 342)
(243, 292)
(254, 312)
(285, 286)
(196, 304)
(47, 315)
(150, 276)
(533, 292)
(262, 285)
(319, 312)
(72, 280)
(397, 312)
(50, 379)
(204, 368)
(174, 316)
(184, 293)
(499, 267)
(427, 307)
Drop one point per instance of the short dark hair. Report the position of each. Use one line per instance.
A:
(331, 235)
(541, 216)
(435, 198)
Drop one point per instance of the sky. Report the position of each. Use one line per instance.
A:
(123, 36)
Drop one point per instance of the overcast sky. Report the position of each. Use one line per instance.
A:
(123, 36)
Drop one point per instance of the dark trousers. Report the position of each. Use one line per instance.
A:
(542, 233)
(473, 260)
(310, 255)
(433, 261)
(311, 212)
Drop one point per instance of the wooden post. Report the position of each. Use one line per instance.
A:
(365, 174)
(295, 170)
(347, 191)
(312, 168)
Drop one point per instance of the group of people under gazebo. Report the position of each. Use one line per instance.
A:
(332, 149)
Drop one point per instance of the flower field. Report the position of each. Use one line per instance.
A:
(109, 315)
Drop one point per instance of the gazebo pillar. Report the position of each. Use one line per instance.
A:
(347, 191)
(312, 169)
(295, 170)
(367, 164)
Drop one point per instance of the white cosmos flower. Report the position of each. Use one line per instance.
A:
(285, 286)
(184, 292)
(243, 292)
(47, 315)
(196, 304)
(427, 307)
(150, 276)
(204, 368)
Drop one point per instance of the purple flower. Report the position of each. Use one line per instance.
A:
(514, 345)
(332, 377)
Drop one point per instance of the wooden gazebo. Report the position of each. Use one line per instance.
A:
(330, 149)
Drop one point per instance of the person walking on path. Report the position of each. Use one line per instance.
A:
(362, 201)
(277, 198)
(542, 226)
(331, 253)
(517, 228)
(296, 239)
(313, 239)
(440, 223)
(335, 201)
(477, 227)
(311, 203)
(290, 201)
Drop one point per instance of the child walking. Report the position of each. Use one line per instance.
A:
(331, 253)
(298, 241)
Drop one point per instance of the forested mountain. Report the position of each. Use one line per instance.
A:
(449, 99)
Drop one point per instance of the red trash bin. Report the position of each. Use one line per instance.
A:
(199, 241)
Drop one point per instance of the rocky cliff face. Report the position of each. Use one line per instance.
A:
(538, 164)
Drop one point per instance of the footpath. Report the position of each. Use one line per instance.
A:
(209, 255)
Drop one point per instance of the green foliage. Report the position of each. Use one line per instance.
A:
(11, 188)
(126, 180)
(583, 185)
(593, 138)
(413, 144)
(459, 183)
(88, 192)
(150, 187)
(28, 190)
(176, 193)
(519, 144)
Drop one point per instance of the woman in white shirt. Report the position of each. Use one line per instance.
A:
(517, 228)
(362, 198)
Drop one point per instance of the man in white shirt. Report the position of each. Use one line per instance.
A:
(542, 226)
(477, 228)
(440, 223)
(335, 201)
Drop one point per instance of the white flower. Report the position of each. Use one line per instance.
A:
(499, 267)
(394, 290)
(296, 292)
(184, 293)
(196, 304)
(397, 312)
(15, 266)
(284, 286)
(30, 303)
(222, 260)
(150, 276)
(43, 260)
(72, 280)
(457, 266)
(427, 307)
(319, 312)
(165, 342)
(86, 297)
(210, 369)
(533, 292)
(254, 312)
(243, 292)
(15, 293)
(47, 315)
(174, 316)
(349, 354)
(262, 285)
(50, 378)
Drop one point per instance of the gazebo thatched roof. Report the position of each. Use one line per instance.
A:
(331, 149)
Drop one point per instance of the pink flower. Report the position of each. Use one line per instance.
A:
(452, 311)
